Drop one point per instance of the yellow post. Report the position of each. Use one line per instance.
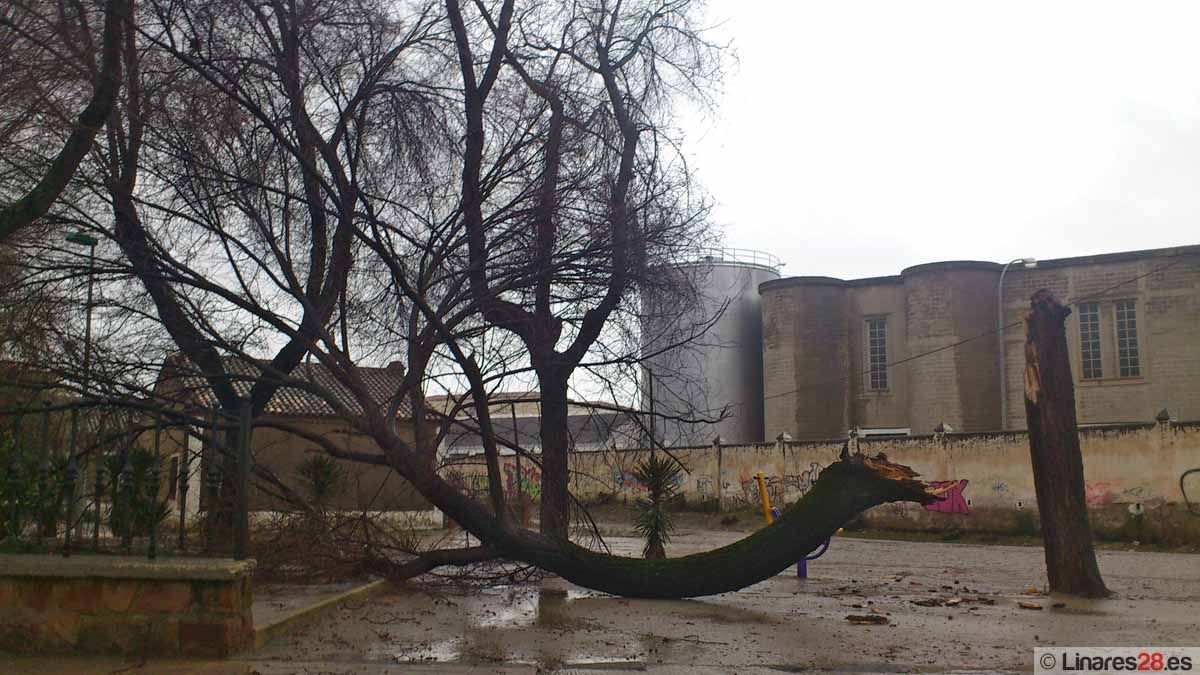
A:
(764, 497)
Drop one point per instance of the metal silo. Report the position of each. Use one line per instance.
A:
(702, 349)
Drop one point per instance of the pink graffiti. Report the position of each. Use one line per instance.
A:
(952, 501)
(1098, 493)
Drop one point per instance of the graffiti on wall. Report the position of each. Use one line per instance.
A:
(529, 481)
(625, 480)
(802, 482)
(952, 501)
(1098, 493)
(781, 490)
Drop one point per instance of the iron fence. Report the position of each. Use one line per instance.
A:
(123, 500)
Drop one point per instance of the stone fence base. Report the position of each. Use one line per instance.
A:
(93, 604)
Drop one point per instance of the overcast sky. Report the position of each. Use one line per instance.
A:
(854, 139)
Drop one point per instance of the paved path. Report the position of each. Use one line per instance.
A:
(782, 624)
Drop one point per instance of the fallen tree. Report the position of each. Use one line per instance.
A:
(487, 207)
(844, 489)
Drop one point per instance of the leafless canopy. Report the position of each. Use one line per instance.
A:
(483, 190)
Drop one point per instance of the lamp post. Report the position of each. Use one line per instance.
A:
(1028, 263)
(79, 239)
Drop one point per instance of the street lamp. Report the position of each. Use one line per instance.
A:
(1028, 263)
(79, 239)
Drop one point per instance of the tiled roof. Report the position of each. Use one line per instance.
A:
(382, 384)
(588, 431)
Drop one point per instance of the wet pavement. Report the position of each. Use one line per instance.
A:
(967, 620)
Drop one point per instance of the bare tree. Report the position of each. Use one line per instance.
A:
(31, 27)
(482, 189)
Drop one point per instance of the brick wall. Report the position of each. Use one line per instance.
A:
(102, 605)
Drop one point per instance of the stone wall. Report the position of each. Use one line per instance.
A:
(1132, 475)
(111, 605)
(363, 486)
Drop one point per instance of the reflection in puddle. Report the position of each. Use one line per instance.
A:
(515, 606)
(479, 620)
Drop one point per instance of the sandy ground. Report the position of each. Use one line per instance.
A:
(782, 624)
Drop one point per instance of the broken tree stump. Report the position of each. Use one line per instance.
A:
(1054, 450)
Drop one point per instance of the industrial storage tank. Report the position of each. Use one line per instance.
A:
(702, 349)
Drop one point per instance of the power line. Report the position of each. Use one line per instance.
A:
(850, 377)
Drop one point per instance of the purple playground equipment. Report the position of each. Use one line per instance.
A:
(802, 564)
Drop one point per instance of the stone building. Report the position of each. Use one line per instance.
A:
(904, 354)
(516, 419)
(280, 451)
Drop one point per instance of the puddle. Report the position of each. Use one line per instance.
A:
(517, 606)
(439, 651)
(505, 606)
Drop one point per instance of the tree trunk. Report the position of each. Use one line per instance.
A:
(38, 200)
(218, 520)
(1054, 449)
(556, 499)
(843, 490)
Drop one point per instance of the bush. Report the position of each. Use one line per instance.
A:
(661, 477)
(35, 500)
(133, 510)
(1026, 524)
(323, 478)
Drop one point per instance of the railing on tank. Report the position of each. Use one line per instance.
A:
(743, 256)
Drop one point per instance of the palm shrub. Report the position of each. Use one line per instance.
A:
(323, 478)
(661, 477)
(133, 509)
(25, 493)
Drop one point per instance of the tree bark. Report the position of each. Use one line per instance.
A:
(556, 498)
(843, 490)
(1054, 450)
(41, 197)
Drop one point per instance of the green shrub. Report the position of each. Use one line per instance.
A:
(133, 510)
(661, 476)
(35, 500)
(323, 478)
(1026, 524)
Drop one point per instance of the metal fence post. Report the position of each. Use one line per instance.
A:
(184, 470)
(69, 492)
(14, 487)
(212, 492)
(720, 476)
(125, 490)
(43, 499)
(241, 542)
(98, 493)
(155, 477)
